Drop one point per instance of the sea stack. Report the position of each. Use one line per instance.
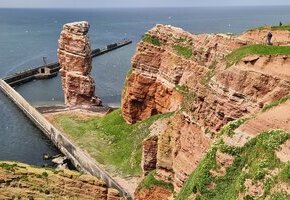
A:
(74, 57)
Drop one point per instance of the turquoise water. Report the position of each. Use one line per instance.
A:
(26, 35)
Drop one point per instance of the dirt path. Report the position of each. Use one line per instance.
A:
(274, 65)
(275, 118)
(51, 111)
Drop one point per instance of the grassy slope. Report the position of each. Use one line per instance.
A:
(274, 28)
(183, 51)
(276, 103)
(152, 40)
(110, 140)
(150, 181)
(257, 156)
(258, 49)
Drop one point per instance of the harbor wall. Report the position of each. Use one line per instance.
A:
(81, 160)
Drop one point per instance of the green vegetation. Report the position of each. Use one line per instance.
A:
(44, 174)
(185, 52)
(150, 181)
(285, 174)
(283, 27)
(130, 71)
(22, 181)
(229, 128)
(188, 101)
(273, 28)
(279, 196)
(189, 97)
(257, 49)
(9, 167)
(201, 177)
(207, 77)
(253, 161)
(180, 40)
(151, 39)
(110, 140)
(276, 103)
(182, 89)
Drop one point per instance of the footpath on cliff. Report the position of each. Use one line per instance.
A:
(183, 101)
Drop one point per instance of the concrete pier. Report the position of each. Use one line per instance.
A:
(79, 158)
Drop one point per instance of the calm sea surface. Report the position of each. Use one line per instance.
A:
(27, 35)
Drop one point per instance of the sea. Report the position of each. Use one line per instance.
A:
(28, 35)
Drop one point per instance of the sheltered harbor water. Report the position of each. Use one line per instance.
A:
(20, 139)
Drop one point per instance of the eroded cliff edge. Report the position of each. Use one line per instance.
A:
(192, 76)
(22, 181)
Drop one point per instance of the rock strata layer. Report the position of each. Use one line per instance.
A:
(21, 181)
(74, 56)
(173, 70)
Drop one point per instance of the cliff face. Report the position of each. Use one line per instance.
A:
(174, 70)
(158, 69)
(74, 56)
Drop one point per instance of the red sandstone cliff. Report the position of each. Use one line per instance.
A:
(74, 56)
(21, 181)
(202, 91)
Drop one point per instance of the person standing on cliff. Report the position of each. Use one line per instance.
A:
(269, 38)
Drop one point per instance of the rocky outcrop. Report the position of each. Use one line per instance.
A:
(153, 193)
(22, 181)
(74, 56)
(150, 145)
(149, 154)
(157, 70)
(180, 148)
(174, 70)
(258, 36)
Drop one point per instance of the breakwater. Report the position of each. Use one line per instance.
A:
(81, 160)
(51, 70)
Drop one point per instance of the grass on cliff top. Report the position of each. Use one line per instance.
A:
(254, 161)
(151, 39)
(273, 28)
(150, 181)
(185, 52)
(110, 140)
(258, 49)
(276, 103)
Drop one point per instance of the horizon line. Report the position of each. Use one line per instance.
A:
(215, 6)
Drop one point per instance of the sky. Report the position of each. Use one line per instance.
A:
(133, 3)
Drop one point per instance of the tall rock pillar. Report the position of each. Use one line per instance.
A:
(74, 57)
